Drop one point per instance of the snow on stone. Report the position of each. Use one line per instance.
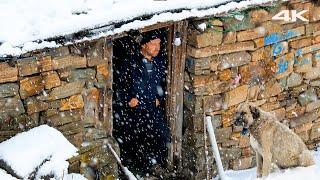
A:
(26, 151)
(309, 173)
(5, 176)
(73, 176)
(27, 21)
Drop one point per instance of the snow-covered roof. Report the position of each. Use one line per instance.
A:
(27, 25)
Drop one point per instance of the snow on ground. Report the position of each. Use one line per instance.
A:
(309, 173)
(28, 150)
(23, 22)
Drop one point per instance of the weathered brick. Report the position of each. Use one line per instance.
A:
(222, 134)
(253, 92)
(272, 88)
(303, 63)
(229, 37)
(199, 66)
(316, 40)
(73, 102)
(202, 80)
(234, 60)
(51, 79)
(45, 64)
(312, 106)
(308, 117)
(11, 106)
(316, 59)
(68, 62)
(303, 127)
(8, 73)
(94, 54)
(300, 43)
(244, 141)
(211, 37)
(279, 49)
(8, 90)
(296, 112)
(251, 34)
(270, 106)
(243, 163)
(254, 73)
(315, 131)
(225, 75)
(28, 66)
(284, 65)
(258, 16)
(31, 86)
(258, 54)
(307, 97)
(64, 118)
(313, 29)
(223, 49)
(34, 106)
(294, 79)
(212, 103)
(314, 73)
(309, 49)
(232, 97)
(281, 36)
(314, 14)
(66, 90)
(279, 113)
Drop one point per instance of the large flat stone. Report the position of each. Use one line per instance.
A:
(66, 90)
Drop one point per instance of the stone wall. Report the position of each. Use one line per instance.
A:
(274, 64)
(64, 88)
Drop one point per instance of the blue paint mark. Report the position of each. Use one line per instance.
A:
(299, 52)
(277, 49)
(317, 56)
(277, 37)
(282, 66)
(271, 39)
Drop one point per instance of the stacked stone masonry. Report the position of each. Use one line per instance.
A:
(64, 88)
(274, 64)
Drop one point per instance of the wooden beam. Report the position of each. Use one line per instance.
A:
(107, 90)
(175, 90)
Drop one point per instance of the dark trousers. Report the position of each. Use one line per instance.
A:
(144, 138)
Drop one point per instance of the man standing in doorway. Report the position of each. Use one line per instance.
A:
(150, 131)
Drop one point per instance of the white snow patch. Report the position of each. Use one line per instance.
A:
(5, 176)
(26, 151)
(22, 23)
(310, 173)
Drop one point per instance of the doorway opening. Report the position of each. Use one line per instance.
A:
(136, 128)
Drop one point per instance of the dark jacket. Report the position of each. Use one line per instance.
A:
(148, 87)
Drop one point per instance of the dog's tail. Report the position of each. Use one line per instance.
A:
(306, 158)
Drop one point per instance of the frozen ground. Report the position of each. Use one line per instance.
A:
(300, 173)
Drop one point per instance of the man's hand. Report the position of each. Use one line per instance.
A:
(157, 102)
(133, 102)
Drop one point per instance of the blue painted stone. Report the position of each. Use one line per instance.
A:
(277, 49)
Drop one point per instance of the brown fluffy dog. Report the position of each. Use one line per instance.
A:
(276, 145)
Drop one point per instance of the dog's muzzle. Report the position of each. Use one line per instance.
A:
(240, 121)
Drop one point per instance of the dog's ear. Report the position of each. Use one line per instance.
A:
(255, 112)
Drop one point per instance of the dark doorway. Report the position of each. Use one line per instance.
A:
(126, 53)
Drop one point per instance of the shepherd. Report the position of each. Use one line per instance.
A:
(149, 136)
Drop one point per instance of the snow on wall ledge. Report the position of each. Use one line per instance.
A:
(38, 20)
(28, 150)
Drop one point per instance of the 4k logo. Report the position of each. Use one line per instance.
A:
(285, 16)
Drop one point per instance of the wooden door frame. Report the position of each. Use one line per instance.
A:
(175, 85)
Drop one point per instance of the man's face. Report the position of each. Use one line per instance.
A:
(152, 48)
